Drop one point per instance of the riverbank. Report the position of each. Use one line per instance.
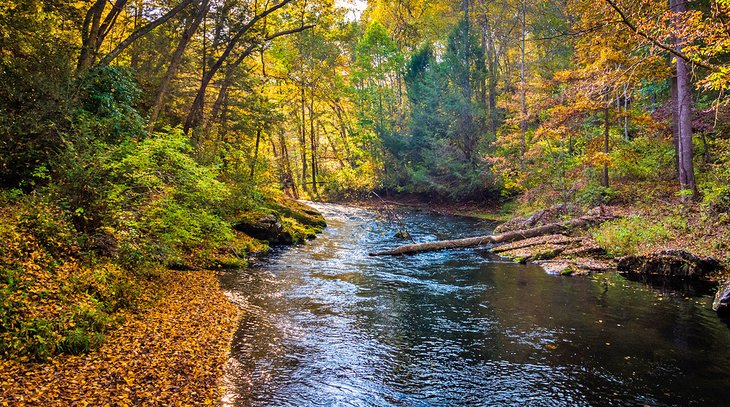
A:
(85, 326)
(172, 353)
(667, 238)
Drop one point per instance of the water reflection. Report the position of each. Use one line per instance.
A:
(325, 324)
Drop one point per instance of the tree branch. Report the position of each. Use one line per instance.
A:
(142, 31)
(625, 20)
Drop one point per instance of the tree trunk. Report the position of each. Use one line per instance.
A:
(604, 179)
(255, 154)
(141, 32)
(94, 31)
(523, 88)
(195, 115)
(289, 175)
(675, 119)
(175, 64)
(626, 112)
(506, 237)
(303, 139)
(313, 144)
(684, 121)
(343, 133)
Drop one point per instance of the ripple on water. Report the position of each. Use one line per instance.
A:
(326, 324)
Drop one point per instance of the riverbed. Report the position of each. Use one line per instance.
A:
(326, 324)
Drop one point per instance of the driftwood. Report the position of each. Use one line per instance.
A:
(553, 228)
(565, 241)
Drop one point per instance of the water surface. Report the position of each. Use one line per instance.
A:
(325, 324)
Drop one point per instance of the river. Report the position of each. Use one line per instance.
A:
(325, 324)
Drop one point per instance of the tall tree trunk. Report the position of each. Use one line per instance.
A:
(289, 174)
(331, 142)
(684, 121)
(303, 138)
(675, 119)
(175, 63)
(492, 91)
(626, 112)
(343, 133)
(606, 124)
(255, 154)
(134, 62)
(313, 143)
(523, 87)
(195, 114)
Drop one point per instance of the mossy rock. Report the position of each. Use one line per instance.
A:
(260, 225)
(302, 213)
(296, 232)
(284, 222)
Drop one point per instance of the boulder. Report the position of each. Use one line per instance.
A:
(281, 223)
(669, 263)
(539, 218)
(304, 214)
(722, 299)
(262, 227)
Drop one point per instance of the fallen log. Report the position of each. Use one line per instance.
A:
(541, 241)
(553, 228)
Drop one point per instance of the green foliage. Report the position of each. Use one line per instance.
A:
(595, 194)
(715, 185)
(108, 96)
(441, 154)
(35, 70)
(630, 235)
(642, 158)
(36, 339)
(165, 202)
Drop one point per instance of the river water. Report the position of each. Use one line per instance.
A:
(325, 324)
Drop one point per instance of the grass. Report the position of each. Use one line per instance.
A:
(632, 235)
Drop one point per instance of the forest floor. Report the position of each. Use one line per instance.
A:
(171, 354)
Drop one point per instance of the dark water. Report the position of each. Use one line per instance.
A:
(325, 324)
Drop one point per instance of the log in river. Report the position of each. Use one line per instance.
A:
(549, 229)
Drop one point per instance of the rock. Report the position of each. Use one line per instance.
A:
(722, 299)
(539, 218)
(669, 263)
(262, 227)
(403, 235)
(302, 213)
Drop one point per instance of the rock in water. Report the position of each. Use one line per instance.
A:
(669, 263)
(722, 299)
(403, 235)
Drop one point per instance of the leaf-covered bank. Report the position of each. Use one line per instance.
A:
(170, 354)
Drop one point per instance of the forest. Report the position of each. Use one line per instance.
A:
(137, 135)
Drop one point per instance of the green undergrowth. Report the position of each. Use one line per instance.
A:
(54, 297)
(62, 290)
(631, 235)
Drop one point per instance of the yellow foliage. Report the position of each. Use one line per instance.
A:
(171, 355)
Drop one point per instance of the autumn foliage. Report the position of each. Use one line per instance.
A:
(172, 353)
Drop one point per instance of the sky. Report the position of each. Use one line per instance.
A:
(356, 7)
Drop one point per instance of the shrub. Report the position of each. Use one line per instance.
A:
(594, 194)
(166, 203)
(629, 235)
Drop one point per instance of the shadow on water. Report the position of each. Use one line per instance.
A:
(325, 324)
(686, 286)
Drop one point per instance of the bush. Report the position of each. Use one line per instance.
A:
(643, 158)
(715, 184)
(594, 194)
(630, 235)
(165, 203)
